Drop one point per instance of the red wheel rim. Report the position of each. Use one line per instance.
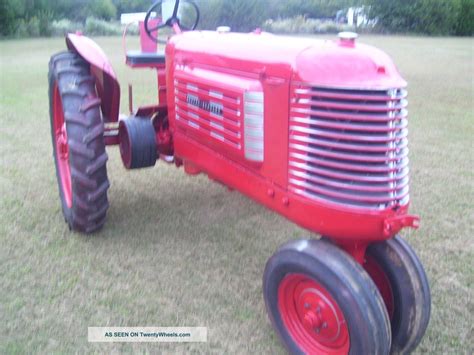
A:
(62, 148)
(312, 317)
(382, 282)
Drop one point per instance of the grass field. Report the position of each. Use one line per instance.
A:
(183, 251)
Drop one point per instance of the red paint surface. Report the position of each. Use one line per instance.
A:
(107, 85)
(62, 148)
(276, 63)
(382, 282)
(312, 317)
(281, 68)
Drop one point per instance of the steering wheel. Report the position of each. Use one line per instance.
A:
(173, 21)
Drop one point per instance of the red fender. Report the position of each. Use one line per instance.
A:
(107, 85)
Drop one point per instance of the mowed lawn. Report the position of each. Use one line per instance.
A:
(183, 251)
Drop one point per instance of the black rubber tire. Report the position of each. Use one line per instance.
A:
(344, 279)
(410, 290)
(138, 147)
(85, 130)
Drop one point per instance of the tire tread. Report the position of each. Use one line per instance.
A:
(85, 130)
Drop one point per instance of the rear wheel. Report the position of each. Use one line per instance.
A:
(320, 301)
(402, 281)
(78, 143)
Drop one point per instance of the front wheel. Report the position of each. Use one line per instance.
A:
(320, 301)
(78, 143)
(400, 277)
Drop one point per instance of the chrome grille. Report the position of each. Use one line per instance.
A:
(349, 146)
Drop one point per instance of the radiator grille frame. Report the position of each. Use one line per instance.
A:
(349, 146)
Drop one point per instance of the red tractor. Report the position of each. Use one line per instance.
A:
(315, 130)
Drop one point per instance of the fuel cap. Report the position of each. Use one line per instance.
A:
(347, 38)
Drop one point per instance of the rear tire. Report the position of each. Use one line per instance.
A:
(78, 144)
(399, 275)
(320, 301)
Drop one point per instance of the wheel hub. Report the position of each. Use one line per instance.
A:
(312, 316)
(317, 313)
(311, 320)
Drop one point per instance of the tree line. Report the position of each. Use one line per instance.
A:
(432, 17)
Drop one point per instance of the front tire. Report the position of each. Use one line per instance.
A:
(320, 301)
(399, 275)
(78, 143)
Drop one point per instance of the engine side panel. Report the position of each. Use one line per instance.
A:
(301, 83)
(221, 111)
(234, 108)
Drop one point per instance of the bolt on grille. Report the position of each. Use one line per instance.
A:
(349, 146)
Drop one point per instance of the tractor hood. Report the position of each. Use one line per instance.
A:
(335, 63)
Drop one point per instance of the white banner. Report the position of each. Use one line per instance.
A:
(147, 334)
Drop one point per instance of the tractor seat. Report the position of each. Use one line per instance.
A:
(145, 58)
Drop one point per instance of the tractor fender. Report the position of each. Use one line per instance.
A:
(107, 84)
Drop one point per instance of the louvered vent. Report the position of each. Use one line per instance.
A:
(211, 112)
(349, 146)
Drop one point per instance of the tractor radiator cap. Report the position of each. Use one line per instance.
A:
(223, 29)
(347, 38)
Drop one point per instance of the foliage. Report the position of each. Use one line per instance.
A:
(24, 18)
(34, 17)
(124, 6)
(44, 22)
(28, 28)
(242, 15)
(100, 27)
(8, 13)
(301, 24)
(63, 26)
(210, 14)
(436, 17)
(103, 9)
(315, 8)
(465, 20)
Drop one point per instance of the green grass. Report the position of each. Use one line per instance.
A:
(183, 251)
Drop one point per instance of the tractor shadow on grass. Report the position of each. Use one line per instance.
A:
(193, 206)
